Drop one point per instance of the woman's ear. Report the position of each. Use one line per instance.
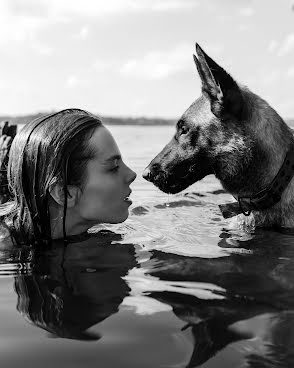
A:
(56, 191)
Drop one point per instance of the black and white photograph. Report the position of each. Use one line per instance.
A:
(147, 183)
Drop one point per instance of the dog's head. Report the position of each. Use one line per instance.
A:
(219, 134)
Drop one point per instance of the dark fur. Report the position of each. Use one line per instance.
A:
(229, 132)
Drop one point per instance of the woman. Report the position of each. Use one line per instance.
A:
(66, 174)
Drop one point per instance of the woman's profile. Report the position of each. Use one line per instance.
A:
(65, 174)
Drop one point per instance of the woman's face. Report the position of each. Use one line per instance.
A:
(106, 188)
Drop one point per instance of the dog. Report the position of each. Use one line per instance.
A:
(234, 134)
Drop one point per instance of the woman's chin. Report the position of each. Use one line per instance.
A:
(118, 219)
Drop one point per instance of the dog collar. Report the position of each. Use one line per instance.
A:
(267, 197)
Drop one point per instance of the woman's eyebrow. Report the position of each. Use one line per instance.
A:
(114, 157)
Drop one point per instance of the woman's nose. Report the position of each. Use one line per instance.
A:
(131, 175)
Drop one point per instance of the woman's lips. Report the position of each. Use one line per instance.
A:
(127, 198)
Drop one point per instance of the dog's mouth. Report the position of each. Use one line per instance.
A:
(177, 180)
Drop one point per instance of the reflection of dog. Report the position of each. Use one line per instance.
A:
(250, 288)
(232, 133)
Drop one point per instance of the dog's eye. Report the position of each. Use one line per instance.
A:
(183, 129)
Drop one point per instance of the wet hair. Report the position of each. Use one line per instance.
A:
(50, 149)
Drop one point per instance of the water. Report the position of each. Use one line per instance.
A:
(171, 287)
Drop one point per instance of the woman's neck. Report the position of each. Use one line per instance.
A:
(73, 224)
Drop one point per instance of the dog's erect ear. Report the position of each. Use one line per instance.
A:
(221, 89)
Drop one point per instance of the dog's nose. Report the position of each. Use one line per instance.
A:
(147, 174)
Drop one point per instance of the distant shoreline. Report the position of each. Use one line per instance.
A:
(140, 121)
(107, 120)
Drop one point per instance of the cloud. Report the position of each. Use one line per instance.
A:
(97, 7)
(272, 46)
(285, 108)
(247, 12)
(73, 81)
(224, 18)
(159, 65)
(20, 28)
(290, 72)
(83, 33)
(163, 5)
(41, 48)
(162, 64)
(31, 8)
(287, 45)
(21, 20)
(269, 77)
(17, 29)
(103, 65)
(244, 27)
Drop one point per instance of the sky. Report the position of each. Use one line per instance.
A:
(134, 58)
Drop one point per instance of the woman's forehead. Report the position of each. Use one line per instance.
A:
(104, 144)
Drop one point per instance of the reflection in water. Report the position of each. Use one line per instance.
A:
(278, 348)
(72, 289)
(68, 290)
(249, 284)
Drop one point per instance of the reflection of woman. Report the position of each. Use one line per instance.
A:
(72, 289)
(66, 174)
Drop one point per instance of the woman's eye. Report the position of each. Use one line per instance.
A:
(115, 165)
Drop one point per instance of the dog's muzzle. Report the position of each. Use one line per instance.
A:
(147, 174)
(154, 173)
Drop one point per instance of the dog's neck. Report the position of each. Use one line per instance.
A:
(268, 196)
(260, 160)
